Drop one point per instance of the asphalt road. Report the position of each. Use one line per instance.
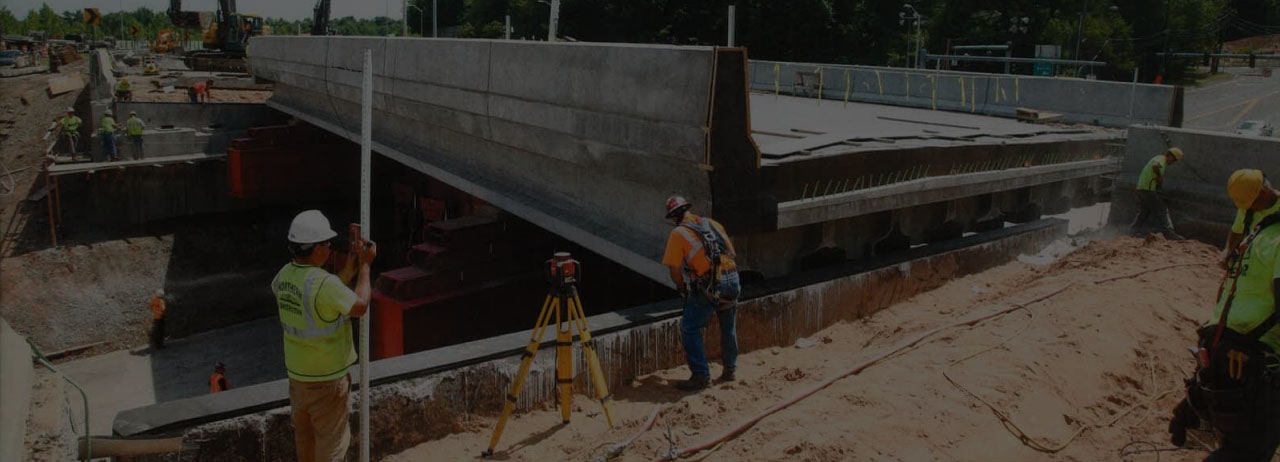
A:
(1224, 105)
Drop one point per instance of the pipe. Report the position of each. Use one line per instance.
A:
(118, 447)
(88, 449)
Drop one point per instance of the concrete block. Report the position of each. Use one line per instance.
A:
(17, 376)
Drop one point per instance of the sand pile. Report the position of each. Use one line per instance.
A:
(1088, 373)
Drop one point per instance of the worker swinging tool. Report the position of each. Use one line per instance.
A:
(563, 303)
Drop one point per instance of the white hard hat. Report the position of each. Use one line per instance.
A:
(159, 292)
(310, 227)
(71, 109)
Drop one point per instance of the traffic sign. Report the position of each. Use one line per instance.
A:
(92, 16)
(134, 30)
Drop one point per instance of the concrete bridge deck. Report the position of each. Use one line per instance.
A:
(587, 139)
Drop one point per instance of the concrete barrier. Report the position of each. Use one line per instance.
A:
(17, 376)
(436, 390)
(586, 140)
(1195, 188)
(1111, 104)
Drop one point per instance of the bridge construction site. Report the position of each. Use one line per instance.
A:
(934, 264)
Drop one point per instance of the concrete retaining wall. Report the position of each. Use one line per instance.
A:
(586, 140)
(16, 379)
(426, 396)
(1195, 188)
(1112, 104)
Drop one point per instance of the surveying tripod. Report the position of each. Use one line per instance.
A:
(563, 303)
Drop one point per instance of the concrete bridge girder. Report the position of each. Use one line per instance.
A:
(585, 140)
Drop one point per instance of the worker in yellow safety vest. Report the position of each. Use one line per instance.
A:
(124, 89)
(1247, 217)
(315, 307)
(1150, 205)
(1236, 387)
(71, 130)
(133, 127)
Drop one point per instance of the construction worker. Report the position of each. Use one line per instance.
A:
(158, 308)
(700, 258)
(107, 131)
(1246, 217)
(1237, 386)
(315, 307)
(71, 130)
(133, 127)
(1150, 205)
(202, 91)
(124, 89)
(218, 380)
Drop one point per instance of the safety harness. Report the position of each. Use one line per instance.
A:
(709, 238)
(1228, 386)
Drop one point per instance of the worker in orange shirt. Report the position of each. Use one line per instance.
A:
(218, 380)
(157, 320)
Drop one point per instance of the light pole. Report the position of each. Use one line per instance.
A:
(421, 32)
(404, 18)
(914, 16)
(433, 19)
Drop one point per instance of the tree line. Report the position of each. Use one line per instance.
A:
(1126, 35)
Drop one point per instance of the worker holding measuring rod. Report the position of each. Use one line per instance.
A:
(315, 309)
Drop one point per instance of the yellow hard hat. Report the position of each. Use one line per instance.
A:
(1177, 153)
(1243, 187)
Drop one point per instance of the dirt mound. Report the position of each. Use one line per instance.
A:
(1087, 371)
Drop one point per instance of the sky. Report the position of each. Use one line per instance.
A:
(286, 9)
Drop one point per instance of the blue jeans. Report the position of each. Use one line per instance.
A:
(697, 311)
(108, 145)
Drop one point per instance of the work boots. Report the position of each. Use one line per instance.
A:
(726, 376)
(694, 383)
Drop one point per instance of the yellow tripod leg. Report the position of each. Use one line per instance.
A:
(526, 361)
(593, 361)
(564, 360)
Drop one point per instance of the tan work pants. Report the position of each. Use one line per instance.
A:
(320, 419)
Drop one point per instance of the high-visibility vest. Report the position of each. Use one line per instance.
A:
(134, 126)
(71, 124)
(696, 260)
(215, 383)
(108, 125)
(123, 85)
(315, 349)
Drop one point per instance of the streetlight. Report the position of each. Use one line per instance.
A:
(914, 16)
(421, 32)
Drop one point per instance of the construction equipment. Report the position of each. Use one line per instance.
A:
(149, 66)
(562, 301)
(225, 38)
(320, 21)
(166, 41)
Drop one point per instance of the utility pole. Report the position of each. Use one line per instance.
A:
(1079, 34)
(404, 18)
(555, 19)
(433, 19)
(731, 24)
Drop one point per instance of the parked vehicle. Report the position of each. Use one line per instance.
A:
(1255, 128)
(9, 58)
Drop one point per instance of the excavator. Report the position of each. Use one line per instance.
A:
(320, 21)
(225, 38)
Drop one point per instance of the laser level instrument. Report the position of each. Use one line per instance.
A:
(563, 303)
